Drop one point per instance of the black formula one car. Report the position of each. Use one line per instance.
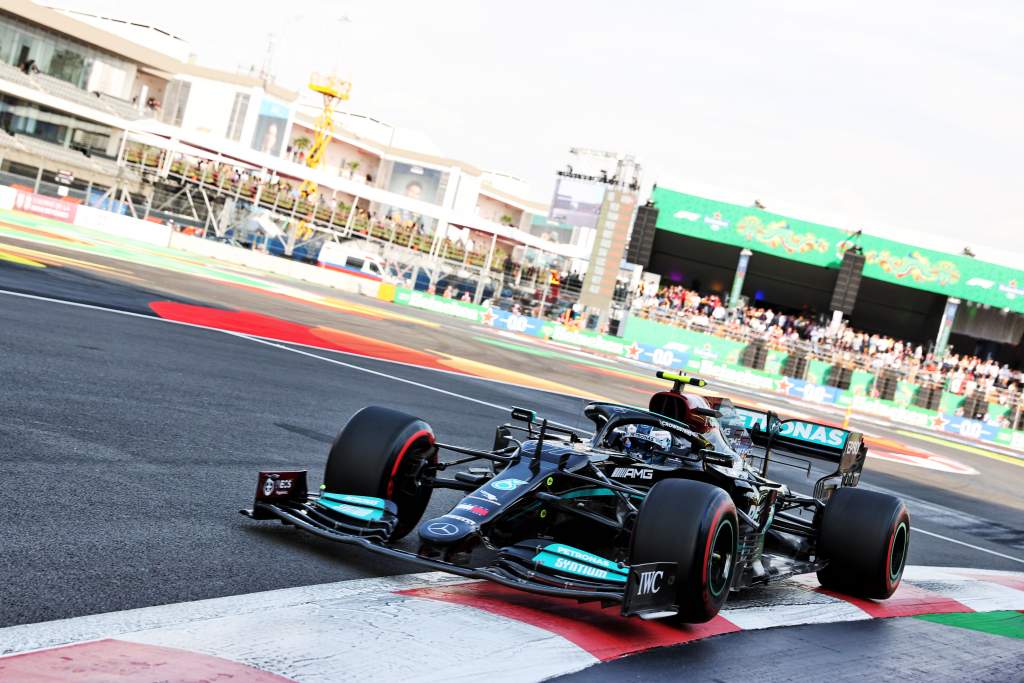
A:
(662, 511)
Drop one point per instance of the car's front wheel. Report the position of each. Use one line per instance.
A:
(379, 453)
(694, 525)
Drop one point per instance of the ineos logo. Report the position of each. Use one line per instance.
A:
(443, 529)
(268, 486)
(649, 583)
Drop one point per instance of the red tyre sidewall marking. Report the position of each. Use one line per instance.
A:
(707, 551)
(401, 454)
(888, 556)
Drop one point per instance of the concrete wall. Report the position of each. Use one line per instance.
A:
(123, 226)
(273, 264)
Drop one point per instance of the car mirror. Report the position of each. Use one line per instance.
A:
(713, 457)
(523, 414)
(774, 424)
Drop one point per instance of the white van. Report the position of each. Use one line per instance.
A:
(348, 258)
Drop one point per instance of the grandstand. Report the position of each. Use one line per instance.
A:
(795, 263)
(79, 94)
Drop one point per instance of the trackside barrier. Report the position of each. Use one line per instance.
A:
(122, 226)
(717, 358)
(7, 195)
(273, 264)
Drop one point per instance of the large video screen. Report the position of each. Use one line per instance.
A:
(270, 127)
(416, 182)
(577, 202)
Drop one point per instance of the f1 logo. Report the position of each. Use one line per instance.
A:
(650, 583)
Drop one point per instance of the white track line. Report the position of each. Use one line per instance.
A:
(369, 371)
(968, 545)
(396, 378)
(352, 354)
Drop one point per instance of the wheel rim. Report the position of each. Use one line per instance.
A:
(898, 552)
(720, 559)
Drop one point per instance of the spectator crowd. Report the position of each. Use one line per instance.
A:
(963, 374)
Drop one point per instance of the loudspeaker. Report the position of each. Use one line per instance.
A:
(754, 355)
(886, 382)
(642, 240)
(975, 405)
(928, 396)
(795, 365)
(839, 377)
(844, 296)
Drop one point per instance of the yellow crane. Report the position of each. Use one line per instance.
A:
(333, 90)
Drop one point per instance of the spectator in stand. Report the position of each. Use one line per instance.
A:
(962, 374)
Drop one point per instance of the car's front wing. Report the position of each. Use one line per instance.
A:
(637, 596)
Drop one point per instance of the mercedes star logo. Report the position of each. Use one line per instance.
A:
(443, 528)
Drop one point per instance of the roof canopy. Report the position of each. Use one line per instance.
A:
(821, 245)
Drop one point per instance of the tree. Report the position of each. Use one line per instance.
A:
(352, 166)
(299, 147)
(505, 219)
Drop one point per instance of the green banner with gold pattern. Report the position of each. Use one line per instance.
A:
(822, 245)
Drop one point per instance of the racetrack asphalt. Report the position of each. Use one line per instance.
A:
(853, 652)
(128, 444)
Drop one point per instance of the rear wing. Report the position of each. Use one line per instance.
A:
(812, 439)
(809, 438)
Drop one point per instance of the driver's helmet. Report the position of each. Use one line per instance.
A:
(640, 440)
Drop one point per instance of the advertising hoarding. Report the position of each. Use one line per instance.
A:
(42, 205)
(271, 125)
(416, 182)
(577, 202)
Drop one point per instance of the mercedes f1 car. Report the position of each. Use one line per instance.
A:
(662, 511)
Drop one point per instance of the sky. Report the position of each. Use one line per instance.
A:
(877, 114)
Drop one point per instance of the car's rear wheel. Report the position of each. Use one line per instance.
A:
(693, 524)
(379, 453)
(865, 537)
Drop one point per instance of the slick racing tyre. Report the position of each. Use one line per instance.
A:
(865, 538)
(693, 524)
(378, 453)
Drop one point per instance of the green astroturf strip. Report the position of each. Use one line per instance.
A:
(544, 353)
(146, 255)
(1003, 623)
(518, 347)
